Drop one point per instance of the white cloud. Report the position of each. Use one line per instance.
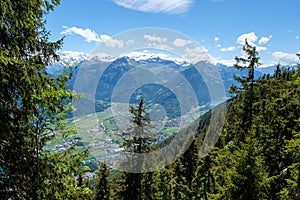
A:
(157, 6)
(163, 46)
(160, 46)
(104, 37)
(181, 42)
(154, 38)
(114, 43)
(286, 58)
(194, 55)
(258, 48)
(264, 40)
(297, 37)
(91, 36)
(251, 38)
(88, 34)
(230, 62)
(227, 49)
(196, 50)
(129, 42)
(219, 46)
(217, 39)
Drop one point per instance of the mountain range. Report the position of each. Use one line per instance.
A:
(156, 77)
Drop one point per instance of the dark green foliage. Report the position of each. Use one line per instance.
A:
(262, 165)
(102, 185)
(138, 140)
(33, 106)
(256, 157)
(246, 91)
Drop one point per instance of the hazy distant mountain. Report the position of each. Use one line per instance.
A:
(166, 77)
(175, 73)
(65, 59)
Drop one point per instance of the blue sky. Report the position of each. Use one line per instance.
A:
(219, 26)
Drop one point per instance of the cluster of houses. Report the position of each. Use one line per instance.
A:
(63, 146)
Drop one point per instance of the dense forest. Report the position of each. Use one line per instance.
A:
(257, 155)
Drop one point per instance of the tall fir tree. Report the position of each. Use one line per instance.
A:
(245, 90)
(102, 186)
(33, 105)
(138, 139)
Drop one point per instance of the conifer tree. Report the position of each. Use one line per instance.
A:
(163, 185)
(102, 186)
(138, 140)
(291, 173)
(33, 105)
(246, 88)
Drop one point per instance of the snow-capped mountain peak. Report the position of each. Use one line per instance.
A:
(104, 57)
(75, 58)
(146, 56)
(72, 57)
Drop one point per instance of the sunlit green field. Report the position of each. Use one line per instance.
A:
(98, 132)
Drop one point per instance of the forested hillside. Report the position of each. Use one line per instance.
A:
(256, 157)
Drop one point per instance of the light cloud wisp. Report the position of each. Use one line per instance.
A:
(181, 42)
(286, 58)
(265, 40)
(251, 39)
(88, 34)
(157, 6)
(227, 49)
(154, 38)
(91, 36)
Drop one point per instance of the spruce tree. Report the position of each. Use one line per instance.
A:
(291, 171)
(245, 90)
(102, 189)
(33, 105)
(138, 139)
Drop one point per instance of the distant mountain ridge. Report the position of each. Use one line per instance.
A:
(142, 58)
(153, 93)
